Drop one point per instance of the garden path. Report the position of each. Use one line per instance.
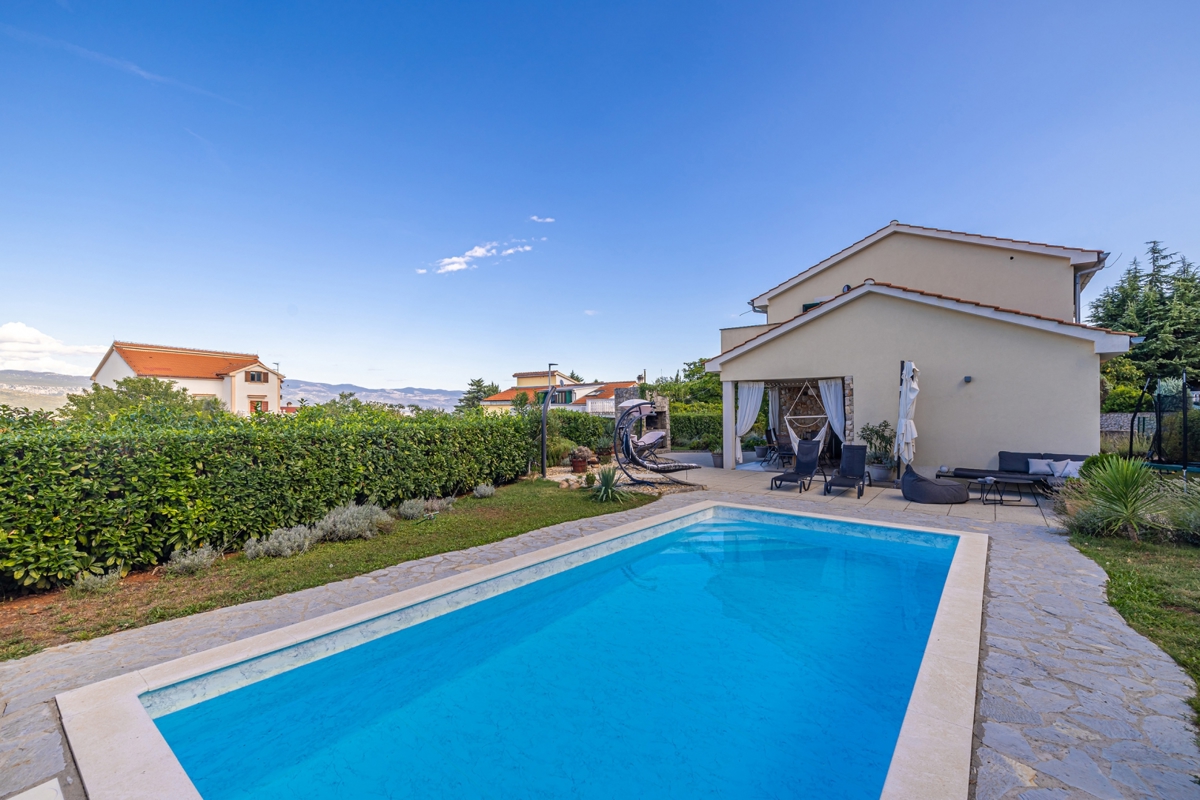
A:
(1072, 702)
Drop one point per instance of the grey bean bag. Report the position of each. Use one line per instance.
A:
(918, 489)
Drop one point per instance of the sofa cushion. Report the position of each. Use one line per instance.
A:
(1041, 466)
(1016, 462)
(1063, 457)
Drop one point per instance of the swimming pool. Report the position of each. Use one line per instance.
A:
(730, 652)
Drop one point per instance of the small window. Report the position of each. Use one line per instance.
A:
(259, 407)
(257, 377)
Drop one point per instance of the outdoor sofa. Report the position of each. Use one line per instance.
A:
(1016, 466)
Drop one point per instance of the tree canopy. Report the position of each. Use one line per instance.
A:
(146, 399)
(477, 390)
(1161, 302)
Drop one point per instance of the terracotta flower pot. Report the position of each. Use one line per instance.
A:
(578, 465)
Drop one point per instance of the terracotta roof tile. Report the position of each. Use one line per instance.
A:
(153, 361)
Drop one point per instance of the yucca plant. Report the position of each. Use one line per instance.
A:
(606, 489)
(1124, 496)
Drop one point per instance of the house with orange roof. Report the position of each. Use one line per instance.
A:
(240, 381)
(570, 394)
(994, 326)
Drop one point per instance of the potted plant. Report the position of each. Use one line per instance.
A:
(759, 444)
(580, 457)
(712, 443)
(879, 440)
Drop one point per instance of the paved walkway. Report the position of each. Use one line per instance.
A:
(1073, 704)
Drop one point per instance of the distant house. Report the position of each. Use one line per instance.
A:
(240, 381)
(594, 398)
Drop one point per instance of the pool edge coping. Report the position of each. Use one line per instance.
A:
(121, 754)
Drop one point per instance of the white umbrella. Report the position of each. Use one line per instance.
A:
(906, 431)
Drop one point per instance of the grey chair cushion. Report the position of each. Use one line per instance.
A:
(918, 489)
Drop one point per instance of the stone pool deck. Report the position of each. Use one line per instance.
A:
(1072, 702)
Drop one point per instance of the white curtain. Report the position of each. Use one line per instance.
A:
(906, 430)
(749, 401)
(773, 408)
(835, 408)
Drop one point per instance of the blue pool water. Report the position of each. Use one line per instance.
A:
(730, 658)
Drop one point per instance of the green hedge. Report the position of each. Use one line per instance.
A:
(583, 428)
(687, 427)
(74, 498)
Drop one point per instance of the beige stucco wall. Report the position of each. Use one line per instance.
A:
(242, 391)
(1030, 282)
(732, 337)
(1030, 390)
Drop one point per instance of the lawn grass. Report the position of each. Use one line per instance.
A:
(30, 624)
(1156, 588)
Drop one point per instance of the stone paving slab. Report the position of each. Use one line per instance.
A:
(1072, 704)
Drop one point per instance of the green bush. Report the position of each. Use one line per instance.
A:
(686, 428)
(1124, 398)
(75, 498)
(1123, 497)
(582, 428)
(1091, 462)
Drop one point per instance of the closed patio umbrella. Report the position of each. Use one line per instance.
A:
(906, 431)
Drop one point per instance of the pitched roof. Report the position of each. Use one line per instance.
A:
(542, 373)
(1080, 257)
(605, 392)
(157, 361)
(1101, 336)
(508, 394)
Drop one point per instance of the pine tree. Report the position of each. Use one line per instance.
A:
(1163, 305)
(476, 391)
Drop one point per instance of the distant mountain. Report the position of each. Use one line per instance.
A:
(49, 390)
(294, 390)
(45, 390)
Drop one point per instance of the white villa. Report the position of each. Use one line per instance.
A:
(240, 381)
(993, 325)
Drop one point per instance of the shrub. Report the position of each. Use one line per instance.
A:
(484, 491)
(411, 509)
(1125, 498)
(582, 453)
(687, 427)
(189, 562)
(1092, 462)
(879, 440)
(74, 495)
(589, 480)
(436, 505)
(606, 489)
(754, 441)
(558, 449)
(1124, 398)
(351, 522)
(90, 583)
(582, 428)
(281, 543)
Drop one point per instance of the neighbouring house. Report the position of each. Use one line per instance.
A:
(993, 325)
(240, 381)
(594, 398)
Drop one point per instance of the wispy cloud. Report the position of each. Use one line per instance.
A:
(108, 61)
(23, 347)
(422, 271)
(486, 250)
(536, 218)
(209, 149)
(591, 313)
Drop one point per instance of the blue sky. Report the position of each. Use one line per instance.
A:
(294, 179)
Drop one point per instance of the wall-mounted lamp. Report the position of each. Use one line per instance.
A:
(967, 379)
(1136, 339)
(845, 288)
